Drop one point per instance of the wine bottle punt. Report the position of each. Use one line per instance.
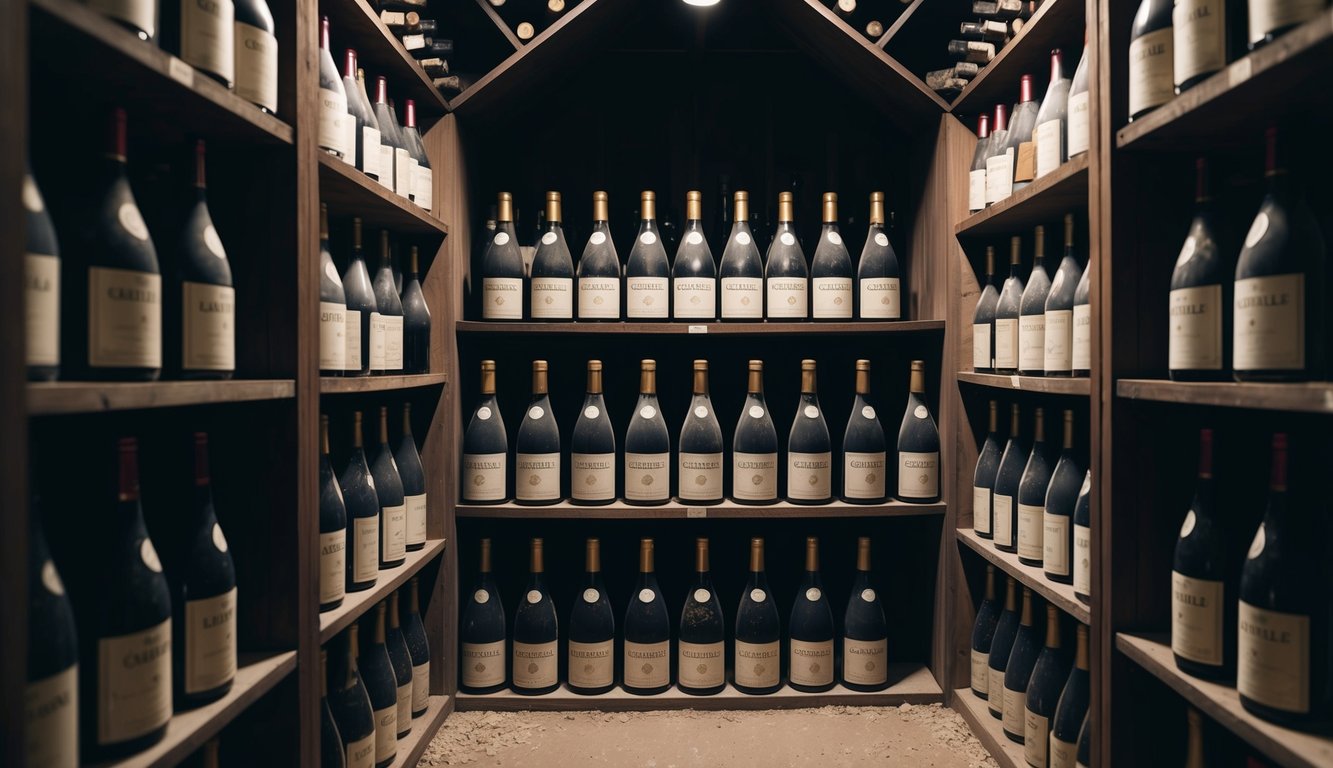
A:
(1007, 313)
(700, 446)
(701, 662)
(1057, 545)
(1203, 584)
(1151, 58)
(416, 320)
(1043, 693)
(983, 320)
(647, 660)
(502, 268)
(809, 449)
(414, 636)
(1049, 133)
(865, 633)
(332, 528)
(1032, 311)
(1083, 541)
(333, 114)
(976, 176)
(1058, 359)
(599, 268)
(393, 507)
(536, 632)
(693, 273)
(647, 445)
(485, 446)
(401, 661)
(918, 445)
(537, 449)
(983, 479)
(51, 690)
(1006, 627)
(1071, 708)
(983, 634)
(647, 273)
(1197, 349)
(810, 662)
(1004, 516)
(831, 273)
(203, 296)
(352, 710)
(591, 663)
(864, 455)
(386, 323)
(1018, 672)
(786, 278)
(361, 307)
(1032, 489)
(741, 273)
(879, 295)
(593, 447)
(330, 741)
(382, 687)
(758, 659)
(413, 476)
(363, 515)
(482, 632)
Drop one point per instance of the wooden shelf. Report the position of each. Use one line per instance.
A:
(256, 675)
(105, 58)
(66, 397)
(712, 328)
(909, 684)
(356, 603)
(1235, 105)
(332, 385)
(1009, 754)
(412, 746)
(349, 192)
(1056, 23)
(1053, 385)
(1043, 201)
(1061, 595)
(1295, 749)
(727, 510)
(1306, 397)
(356, 25)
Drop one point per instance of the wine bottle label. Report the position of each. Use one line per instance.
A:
(124, 318)
(1063, 753)
(980, 671)
(41, 305)
(1199, 41)
(1269, 15)
(1055, 544)
(863, 475)
(1049, 138)
(1078, 123)
(133, 683)
(700, 476)
(754, 476)
(140, 14)
(416, 518)
(1194, 341)
(483, 664)
(981, 509)
(918, 475)
(484, 476)
(592, 665)
(647, 476)
(535, 664)
(1151, 82)
(404, 168)
(207, 40)
(1059, 353)
(976, 189)
(256, 66)
(599, 298)
(354, 356)
(880, 298)
(378, 327)
(332, 565)
(388, 172)
(1015, 704)
(743, 297)
(647, 298)
(1082, 560)
(393, 533)
(995, 692)
(809, 475)
(1031, 342)
(811, 663)
(370, 150)
(393, 342)
(593, 476)
(757, 665)
(1197, 618)
(333, 116)
(365, 548)
(361, 754)
(1030, 531)
(1025, 164)
(647, 665)
(833, 298)
(787, 298)
(553, 298)
(1006, 343)
(865, 662)
(695, 297)
(403, 710)
(1036, 734)
(1274, 653)
(1003, 520)
(332, 336)
(701, 665)
(1270, 322)
(386, 733)
(423, 187)
(51, 720)
(210, 642)
(1000, 176)
(981, 351)
(209, 332)
(1082, 353)
(420, 687)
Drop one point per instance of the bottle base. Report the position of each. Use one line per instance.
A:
(648, 502)
(534, 691)
(1203, 671)
(756, 691)
(184, 701)
(808, 502)
(700, 502)
(1198, 375)
(591, 502)
(910, 500)
(984, 534)
(590, 691)
(995, 713)
(1279, 376)
(754, 503)
(1038, 372)
(1294, 720)
(864, 502)
(702, 691)
(646, 691)
(1085, 599)
(416, 547)
(537, 502)
(43, 373)
(1034, 562)
(207, 375)
(386, 565)
(118, 374)
(418, 713)
(1059, 578)
(126, 748)
(361, 586)
(324, 607)
(980, 694)
(865, 688)
(1017, 738)
(486, 502)
(480, 691)
(810, 688)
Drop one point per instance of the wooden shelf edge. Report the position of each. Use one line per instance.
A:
(1060, 595)
(1221, 703)
(378, 195)
(73, 397)
(1078, 386)
(1018, 43)
(898, 24)
(500, 24)
(356, 603)
(1305, 397)
(727, 510)
(988, 730)
(332, 385)
(810, 327)
(1013, 205)
(424, 728)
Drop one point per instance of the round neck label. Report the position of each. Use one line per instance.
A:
(132, 221)
(743, 238)
(597, 238)
(536, 412)
(32, 199)
(1257, 230)
(756, 412)
(788, 238)
(149, 555)
(1187, 527)
(646, 595)
(481, 597)
(484, 412)
(214, 242)
(757, 595)
(694, 238)
(219, 540)
(921, 412)
(647, 412)
(868, 412)
(868, 595)
(812, 594)
(881, 239)
(51, 579)
(501, 238)
(701, 595)
(647, 238)
(700, 411)
(811, 412)
(534, 596)
(835, 238)
(1257, 546)
(591, 595)
(591, 412)
(548, 238)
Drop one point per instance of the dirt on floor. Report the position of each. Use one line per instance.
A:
(829, 737)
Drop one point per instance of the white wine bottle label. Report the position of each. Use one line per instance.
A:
(404, 168)
(976, 189)
(51, 720)
(1006, 343)
(386, 733)
(553, 298)
(1083, 560)
(995, 691)
(423, 187)
(256, 66)
(981, 509)
(332, 118)
(1015, 705)
(647, 476)
(981, 351)
(700, 476)
(811, 663)
(393, 536)
(133, 683)
(1199, 37)
(1082, 354)
(1274, 653)
(918, 475)
(1049, 138)
(124, 318)
(647, 298)
(537, 476)
(388, 172)
(1036, 734)
(881, 298)
(865, 662)
(1064, 754)
(1269, 15)
(788, 298)
(209, 335)
(1003, 520)
(1059, 354)
(1270, 322)
(701, 665)
(140, 14)
(1151, 82)
(208, 29)
(420, 687)
(863, 475)
(483, 664)
(535, 664)
(1030, 531)
(1000, 176)
(377, 331)
(41, 306)
(210, 642)
(593, 476)
(403, 710)
(365, 548)
(1197, 618)
(361, 754)
(1055, 544)
(332, 336)
(354, 356)
(484, 476)
(809, 475)
(370, 150)
(695, 297)
(1031, 342)
(1194, 341)
(416, 518)
(833, 298)
(758, 665)
(1078, 123)
(592, 665)
(332, 565)
(393, 342)
(754, 476)
(647, 665)
(743, 297)
(502, 298)
(599, 298)
(980, 671)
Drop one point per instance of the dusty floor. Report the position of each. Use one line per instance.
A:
(831, 737)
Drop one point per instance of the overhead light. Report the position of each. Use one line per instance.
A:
(701, 3)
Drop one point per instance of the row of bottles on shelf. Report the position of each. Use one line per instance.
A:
(1041, 328)
(528, 17)
(379, 325)
(371, 515)
(377, 687)
(595, 472)
(1032, 140)
(997, 23)
(1031, 507)
(367, 135)
(699, 663)
(153, 635)
(694, 286)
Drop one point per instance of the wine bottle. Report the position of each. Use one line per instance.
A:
(1018, 672)
(811, 629)
(132, 620)
(414, 636)
(255, 55)
(413, 477)
(741, 273)
(333, 325)
(593, 447)
(404, 163)
(1270, 19)
(422, 182)
(382, 686)
(693, 273)
(51, 691)
(918, 445)
(1076, 128)
(386, 324)
(647, 274)
(358, 118)
(831, 268)
(333, 114)
(1083, 541)
(486, 446)
(401, 661)
(332, 528)
(863, 447)
(599, 268)
(369, 141)
(647, 445)
(1071, 708)
(1004, 514)
(786, 278)
(1058, 359)
(361, 306)
(1199, 41)
(758, 660)
(1084, 759)
(350, 703)
(1194, 751)
(1049, 135)
(983, 633)
(647, 660)
(552, 283)
(416, 321)
(1203, 586)
(1200, 293)
(877, 275)
(701, 645)
(1151, 58)
(363, 515)
(865, 633)
(1279, 319)
(202, 35)
(591, 663)
(204, 297)
(1032, 496)
(1022, 122)
(1081, 354)
(754, 449)
(393, 507)
(390, 140)
(983, 320)
(976, 176)
(700, 446)
(330, 741)
(1032, 311)
(1002, 642)
(1057, 543)
(1007, 309)
(537, 449)
(983, 478)
(535, 631)
(41, 286)
(1000, 159)
(482, 632)
(1043, 693)
(809, 449)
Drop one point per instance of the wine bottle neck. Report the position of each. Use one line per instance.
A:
(701, 557)
(1010, 597)
(646, 556)
(593, 556)
(990, 583)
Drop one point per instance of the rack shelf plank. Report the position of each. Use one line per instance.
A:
(1056, 23)
(1061, 595)
(67, 397)
(356, 25)
(1045, 385)
(1044, 200)
(727, 510)
(713, 328)
(413, 746)
(349, 192)
(987, 729)
(1295, 749)
(1307, 397)
(356, 603)
(332, 385)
